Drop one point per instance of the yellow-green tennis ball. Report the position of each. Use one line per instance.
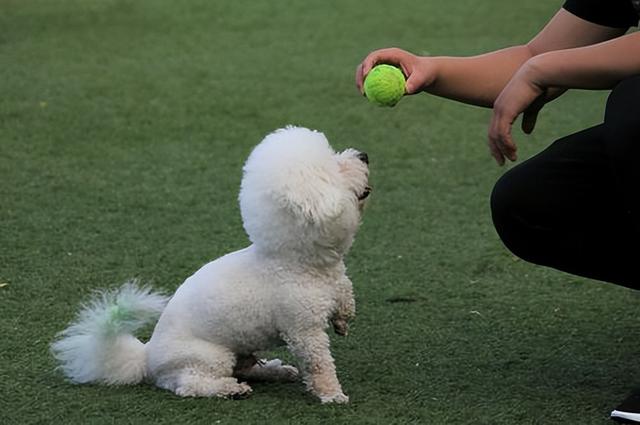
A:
(384, 85)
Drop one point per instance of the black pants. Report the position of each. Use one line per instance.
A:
(575, 206)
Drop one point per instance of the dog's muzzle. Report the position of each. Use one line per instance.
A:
(365, 194)
(362, 156)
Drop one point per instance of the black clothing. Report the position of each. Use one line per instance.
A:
(576, 205)
(610, 13)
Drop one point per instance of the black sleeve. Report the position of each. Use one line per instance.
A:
(610, 13)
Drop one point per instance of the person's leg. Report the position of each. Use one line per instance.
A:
(576, 205)
(622, 143)
(560, 209)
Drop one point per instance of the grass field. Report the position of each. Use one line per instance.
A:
(123, 128)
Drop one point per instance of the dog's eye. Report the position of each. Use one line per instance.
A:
(364, 194)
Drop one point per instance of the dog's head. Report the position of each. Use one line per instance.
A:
(299, 197)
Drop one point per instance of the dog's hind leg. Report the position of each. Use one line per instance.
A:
(198, 369)
(251, 369)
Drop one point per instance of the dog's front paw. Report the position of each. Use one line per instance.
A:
(340, 398)
(340, 327)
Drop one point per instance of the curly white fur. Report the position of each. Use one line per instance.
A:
(301, 205)
(99, 347)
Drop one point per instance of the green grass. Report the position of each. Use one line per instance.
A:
(123, 128)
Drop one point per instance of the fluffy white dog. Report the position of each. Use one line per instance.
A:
(301, 205)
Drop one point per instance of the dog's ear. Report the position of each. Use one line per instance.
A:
(313, 198)
(296, 169)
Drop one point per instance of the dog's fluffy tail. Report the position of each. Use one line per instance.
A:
(99, 345)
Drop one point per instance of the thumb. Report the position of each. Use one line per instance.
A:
(530, 115)
(529, 118)
(414, 83)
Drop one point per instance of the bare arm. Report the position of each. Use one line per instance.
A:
(597, 66)
(478, 80)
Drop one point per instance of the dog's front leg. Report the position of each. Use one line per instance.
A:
(345, 307)
(316, 363)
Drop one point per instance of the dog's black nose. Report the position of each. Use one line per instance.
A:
(362, 156)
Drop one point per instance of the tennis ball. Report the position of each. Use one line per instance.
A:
(384, 85)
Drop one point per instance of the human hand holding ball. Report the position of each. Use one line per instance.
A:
(384, 85)
(418, 73)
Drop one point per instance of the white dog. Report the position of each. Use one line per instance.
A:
(301, 205)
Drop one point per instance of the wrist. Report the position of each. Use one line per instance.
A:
(535, 71)
(432, 69)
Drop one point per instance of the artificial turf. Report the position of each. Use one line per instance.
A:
(123, 128)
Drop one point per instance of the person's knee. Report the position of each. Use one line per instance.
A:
(515, 210)
(506, 213)
(500, 208)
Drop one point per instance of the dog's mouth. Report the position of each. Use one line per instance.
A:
(364, 195)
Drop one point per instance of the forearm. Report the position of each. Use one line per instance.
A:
(600, 66)
(477, 80)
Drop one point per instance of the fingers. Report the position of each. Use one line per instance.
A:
(501, 144)
(392, 56)
(496, 154)
(363, 69)
(415, 82)
(530, 115)
(529, 119)
(360, 79)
